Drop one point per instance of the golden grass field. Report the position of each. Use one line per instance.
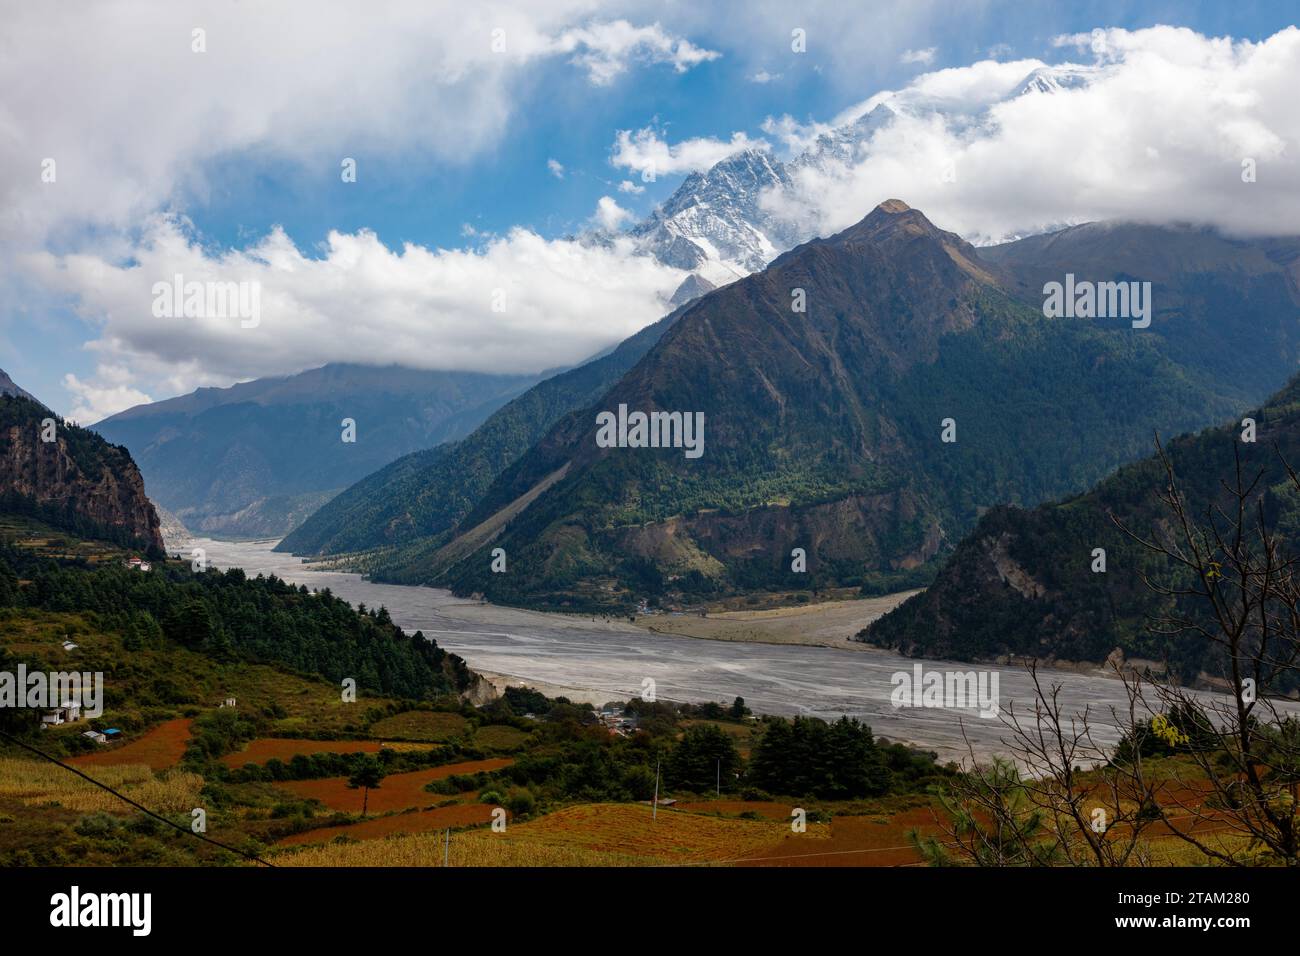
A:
(601, 834)
(40, 784)
(499, 737)
(420, 725)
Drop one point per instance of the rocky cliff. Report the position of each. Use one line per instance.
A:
(71, 477)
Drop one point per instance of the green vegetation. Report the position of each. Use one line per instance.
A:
(573, 760)
(417, 498)
(277, 439)
(823, 429)
(1059, 606)
(232, 617)
(89, 459)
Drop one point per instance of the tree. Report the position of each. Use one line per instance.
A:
(369, 773)
(738, 708)
(1038, 807)
(808, 757)
(191, 625)
(703, 757)
(1234, 587)
(1228, 585)
(989, 822)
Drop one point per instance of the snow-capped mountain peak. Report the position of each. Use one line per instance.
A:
(715, 224)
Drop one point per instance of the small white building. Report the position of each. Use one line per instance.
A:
(70, 646)
(69, 713)
(228, 702)
(96, 736)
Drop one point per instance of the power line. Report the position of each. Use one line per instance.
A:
(123, 797)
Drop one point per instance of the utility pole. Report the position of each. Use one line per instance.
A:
(719, 781)
(654, 811)
(446, 849)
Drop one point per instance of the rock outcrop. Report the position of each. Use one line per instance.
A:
(72, 478)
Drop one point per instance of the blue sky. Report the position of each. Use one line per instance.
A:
(429, 162)
(561, 116)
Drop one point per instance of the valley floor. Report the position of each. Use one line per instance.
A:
(826, 624)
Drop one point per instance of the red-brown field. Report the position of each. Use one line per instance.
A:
(401, 791)
(159, 748)
(376, 828)
(853, 841)
(766, 810)
(284, 748)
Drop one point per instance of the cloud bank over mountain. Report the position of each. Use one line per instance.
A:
(1161, 124)
(519, 303)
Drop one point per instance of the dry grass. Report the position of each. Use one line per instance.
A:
(422, 725)
(499, 737)
(40, 784)
(398, 824)
(587, 835)
(472, 848)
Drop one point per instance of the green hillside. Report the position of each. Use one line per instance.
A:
(823, 429)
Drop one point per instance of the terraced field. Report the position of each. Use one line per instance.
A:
(601, 834)
(425, 725)
(35, 783)
(401, 791)
(158, 748)
(379, 828)
(285, 748)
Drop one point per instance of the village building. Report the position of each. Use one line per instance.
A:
(69, 713)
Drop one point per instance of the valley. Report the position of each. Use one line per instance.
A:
(597, 659)
(694, 437)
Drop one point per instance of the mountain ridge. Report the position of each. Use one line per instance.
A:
(1023, 584)
(256, 458)
(824, 427)
(72, 478)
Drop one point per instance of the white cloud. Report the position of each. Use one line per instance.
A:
(556, 167)
(924, 57)
(794, 136)
(358, 302)
(762, 76)
(134, 118)
(131, 115)
(644, 150)
(610, 216)
(97, 401)
(1158, 132)
(607, 49)
(627, 186)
